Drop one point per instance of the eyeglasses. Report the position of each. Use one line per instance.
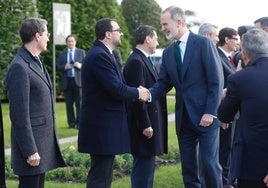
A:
(48, 35)
(118, 30)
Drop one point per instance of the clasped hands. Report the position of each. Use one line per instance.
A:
(144, 94)
(71, 65)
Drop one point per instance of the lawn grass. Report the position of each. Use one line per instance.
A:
(61, 121)
(166, 176)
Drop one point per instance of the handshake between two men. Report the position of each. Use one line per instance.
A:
(144, 94)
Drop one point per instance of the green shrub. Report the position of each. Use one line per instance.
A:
(78, 165)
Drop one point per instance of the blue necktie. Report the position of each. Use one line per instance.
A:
(70, 71)
(178, 57)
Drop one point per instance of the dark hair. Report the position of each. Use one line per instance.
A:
(226, 32)
(102, 26)
(142, 32)
(237, 56)
(260, 19)
(264, 22)
(66, 39)
(30, 27)
(243, 29)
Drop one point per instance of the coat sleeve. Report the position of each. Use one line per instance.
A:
(230, 104)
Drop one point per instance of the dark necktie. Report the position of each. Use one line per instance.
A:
(39, 63)
(178, 57)
(70, 71)
(152, 63)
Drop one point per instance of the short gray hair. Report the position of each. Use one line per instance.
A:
(206, 28)
(176, 13)
(254, 42)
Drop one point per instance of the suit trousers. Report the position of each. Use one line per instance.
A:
(33, 181)
(142, 175)
(100, 174)
(226, 138)
(72, 97)
(206, 143)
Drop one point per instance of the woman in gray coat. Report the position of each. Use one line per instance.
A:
(34, 145)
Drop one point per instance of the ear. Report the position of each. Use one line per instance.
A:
(179, 22)
(245, 57)
(37, 36)
(147, 39)
(226, 39)
(108, 34)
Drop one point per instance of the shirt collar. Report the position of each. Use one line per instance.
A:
(225, 53)
(71, 49)
(110, 50)
(146, 54)
(185, 36)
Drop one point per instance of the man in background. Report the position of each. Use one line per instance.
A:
(262, 23)
(147, 122)
(228, 43)
(210, 31)
(69, 63)
(247, 92)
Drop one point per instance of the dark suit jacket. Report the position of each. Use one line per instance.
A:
(139, 71)
(247, 92)
(201, 86)
(103, 125)
(227, 66)
(32, 116)
(79, 56)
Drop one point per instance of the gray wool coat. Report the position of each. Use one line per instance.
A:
(32, 113)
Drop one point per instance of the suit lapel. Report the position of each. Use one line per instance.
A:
(226, 63)
(118, 70)
(33, 66)
(172, 62)
(65, 56)
(147, 63)
(188, 54)
(115, 64)
(36, 69)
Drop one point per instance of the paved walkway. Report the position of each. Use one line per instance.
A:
(171, 118)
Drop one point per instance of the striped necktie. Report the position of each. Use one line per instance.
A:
(39, 63)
